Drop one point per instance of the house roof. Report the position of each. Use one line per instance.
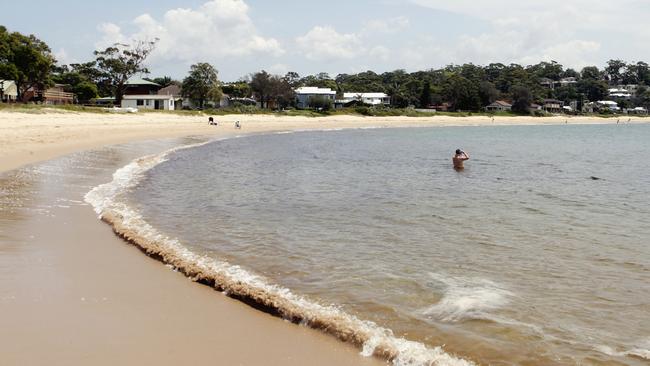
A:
(147, 96)
(364, 95)
(315, 90)
(174, 90)
(500, 103)
(136, 81)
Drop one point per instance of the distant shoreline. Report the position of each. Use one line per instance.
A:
(44, 133)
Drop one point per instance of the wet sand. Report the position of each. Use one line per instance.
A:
(73, 293)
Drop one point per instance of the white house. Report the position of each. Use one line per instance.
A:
(305, 94)
(8, 91)
(638, 110)
(620, 93)
(608, 104)
(366, 98)
(165, 102)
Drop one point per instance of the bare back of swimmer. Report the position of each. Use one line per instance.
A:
(459, 159)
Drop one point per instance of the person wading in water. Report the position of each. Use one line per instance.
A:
(459, 158)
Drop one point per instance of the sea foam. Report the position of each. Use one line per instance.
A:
(467, 299)
(128, 223)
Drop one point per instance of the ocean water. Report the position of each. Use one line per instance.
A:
(538, 253)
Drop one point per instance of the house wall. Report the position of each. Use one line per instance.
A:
(10, 93)
(302, 100)
(167, 104)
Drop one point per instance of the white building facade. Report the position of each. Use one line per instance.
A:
(373, 99)
(8, 91)
(161, 102)
(305, 95)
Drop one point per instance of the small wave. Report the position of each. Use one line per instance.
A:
(246, 286)
(634, 352)
(467, 299)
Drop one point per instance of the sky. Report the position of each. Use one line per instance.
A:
(240, 37)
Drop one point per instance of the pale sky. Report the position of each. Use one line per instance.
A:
(243, 36)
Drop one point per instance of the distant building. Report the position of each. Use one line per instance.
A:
(8, 91)
(552, 106)
(444, 107)
(135, 86)
(619, 93)
(568, 81)
(499, 106)
(173, 91)
(608, 105)
(373, 99)
(145, 101)
(638, 111)
(548, 83)
(57, 95)
(305, 94)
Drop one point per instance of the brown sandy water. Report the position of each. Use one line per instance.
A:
(72, 293)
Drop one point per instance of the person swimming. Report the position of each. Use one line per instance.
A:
(459, 159)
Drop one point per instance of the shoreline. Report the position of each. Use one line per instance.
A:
(74, 293)
(27, 138)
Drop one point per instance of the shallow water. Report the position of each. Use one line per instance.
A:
(535, 254)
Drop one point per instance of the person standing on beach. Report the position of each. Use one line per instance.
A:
(459, 159)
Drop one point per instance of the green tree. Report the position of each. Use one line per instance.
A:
(293, 78)
(320, 103)
(462, 93)
(281, 92)
(83, 88)
(591, 73)
(594, 90)
(163, 81)
(25, 59)
(261, 85)
(522, 99)
(239, 89)
(202, 84)
(613, 71)
(488, 93)
(120, 62)
(425, 97)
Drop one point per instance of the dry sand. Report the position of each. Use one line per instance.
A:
(72, 293)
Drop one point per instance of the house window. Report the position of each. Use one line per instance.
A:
(140, 102)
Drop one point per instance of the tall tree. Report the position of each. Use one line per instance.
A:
(522, 99)
(202, 84)
(83, 88)
(163, 81)
(613, 71)
(293, 78)
(120, 62)
(591, 73)
(25, 59)
(462, 93)
(425, 97)
(261, 86)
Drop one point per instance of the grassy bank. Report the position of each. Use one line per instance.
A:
(250, 110)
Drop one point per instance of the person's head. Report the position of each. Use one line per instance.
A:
(459, 151)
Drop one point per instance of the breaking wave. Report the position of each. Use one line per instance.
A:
(467, 299)
(238, 283)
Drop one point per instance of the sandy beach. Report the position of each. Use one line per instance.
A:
(28, 137)
(72, 293)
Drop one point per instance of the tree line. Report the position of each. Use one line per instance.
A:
(30, 63)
